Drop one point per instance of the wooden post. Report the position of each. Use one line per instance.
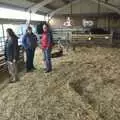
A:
(3, 31)
(3, 34)
(98, 10)
(109, 23)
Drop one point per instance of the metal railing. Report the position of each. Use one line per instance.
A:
(2, 43)
(3, 66)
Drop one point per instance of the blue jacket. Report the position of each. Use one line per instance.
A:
(29, 41)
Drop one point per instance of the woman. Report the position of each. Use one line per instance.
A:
(46, 45)
(11, 54)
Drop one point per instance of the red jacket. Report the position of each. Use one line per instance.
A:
(46, 41)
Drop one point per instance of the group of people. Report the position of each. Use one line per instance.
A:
(29, 42)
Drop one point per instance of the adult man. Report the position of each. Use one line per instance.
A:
(29, 43)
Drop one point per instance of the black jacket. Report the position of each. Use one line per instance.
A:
(11, 49)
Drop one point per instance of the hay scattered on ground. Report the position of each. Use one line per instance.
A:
(84, 85)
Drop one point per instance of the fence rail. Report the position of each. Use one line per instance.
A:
(3, 65)
(76, 38)
(94, 38)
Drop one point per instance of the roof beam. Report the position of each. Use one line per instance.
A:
(37, 6)
(109, 6)
(66, 1)
(45, 9)
(63, 7)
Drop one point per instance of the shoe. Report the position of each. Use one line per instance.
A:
(12, 81)
(28, 71)
(17, 79)
(33, 68)
(48, 71)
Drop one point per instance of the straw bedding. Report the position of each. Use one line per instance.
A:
(84, 85)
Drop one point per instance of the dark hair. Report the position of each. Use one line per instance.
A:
(11, 33)
(29, 28)
(48, 26)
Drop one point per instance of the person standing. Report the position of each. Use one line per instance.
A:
(46, 45)
(29, 42)
(11, 54)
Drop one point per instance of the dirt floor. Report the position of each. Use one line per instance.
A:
(84, 85)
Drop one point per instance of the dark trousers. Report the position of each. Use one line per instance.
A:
(47, 59)
(30, 58)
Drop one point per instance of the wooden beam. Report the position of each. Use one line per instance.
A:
(45, 9)
(37, 6)
(63, 7)
(109, 6)
(66, 1)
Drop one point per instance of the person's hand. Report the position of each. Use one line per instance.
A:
(14, 60)
(40, 47)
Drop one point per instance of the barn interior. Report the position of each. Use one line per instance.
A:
(84, 83)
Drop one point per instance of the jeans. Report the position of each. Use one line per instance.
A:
(30, 58)
(47, 59)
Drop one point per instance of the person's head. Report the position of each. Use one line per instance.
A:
(29, 30)
(45, 28)
(10, 33)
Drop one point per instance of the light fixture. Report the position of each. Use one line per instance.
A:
(48, 18)
(106, 37)
(68, 22)
(87, 23)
